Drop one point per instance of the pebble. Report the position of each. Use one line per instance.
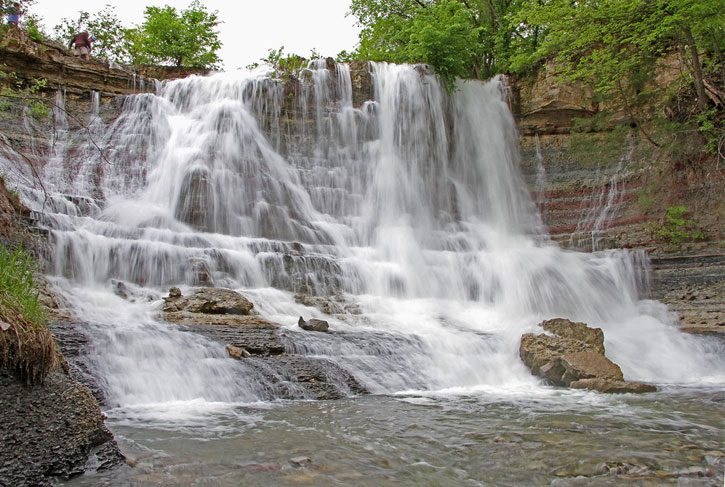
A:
(300, 461)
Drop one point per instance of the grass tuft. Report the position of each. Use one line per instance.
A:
(27, 348)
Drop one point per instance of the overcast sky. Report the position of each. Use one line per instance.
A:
(250, 27)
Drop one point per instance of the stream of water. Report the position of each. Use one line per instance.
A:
(410, 208)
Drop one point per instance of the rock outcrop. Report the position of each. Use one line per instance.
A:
(572, 355)
(49, 432)
(61, 69)
(313, 324)
(224, 316)
(210, 301)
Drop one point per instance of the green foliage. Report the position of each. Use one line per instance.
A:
(111, 42)
(711, 124)
(27, 348)
(285, 64)
(167, 37)
(677, 228)
(345, 57)
(615, 45)
(34, 28)
(16, 88)
(441, 33)
(8, 6)
(459, 38)
(17, 290)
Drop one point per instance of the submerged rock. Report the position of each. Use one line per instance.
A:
(612, 386)
(336, 305)
(313, 324)
(572, 355)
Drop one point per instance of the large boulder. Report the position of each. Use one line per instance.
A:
(571, 354)
(208, 301)
(313, 324)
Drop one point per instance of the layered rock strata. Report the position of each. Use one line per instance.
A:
(225, 316)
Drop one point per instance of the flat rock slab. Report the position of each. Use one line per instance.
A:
(258, 337)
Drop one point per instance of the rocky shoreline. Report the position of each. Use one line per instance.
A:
(51, 431)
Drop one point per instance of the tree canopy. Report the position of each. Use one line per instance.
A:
(460, 38)
(189, 38)
(616, 46)
(105, 26)
(167, 37)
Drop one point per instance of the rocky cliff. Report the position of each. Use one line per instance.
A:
(601, 187)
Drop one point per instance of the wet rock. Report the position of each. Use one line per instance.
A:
(196, 206)
(331, 305)
(120, 290)
(258, 337)
(612, 386)
(208, 301)
(300, 377)
(586, 365)
(200, 274)
(572, 355)
(313, 324)
(237, 353)
(300, 461)
(75, 345)
(49, 432)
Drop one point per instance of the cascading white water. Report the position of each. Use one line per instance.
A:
(410, 206)
(604, 204)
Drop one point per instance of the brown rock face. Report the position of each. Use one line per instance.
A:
(582, 365)
(574, 357)
(573, 332)
(58, 65)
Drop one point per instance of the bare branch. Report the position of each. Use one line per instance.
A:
(79, 122)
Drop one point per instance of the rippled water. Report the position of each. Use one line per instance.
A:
(549, 437)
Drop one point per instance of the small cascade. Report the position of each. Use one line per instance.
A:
(604, 205)
(541, 181)
(410, 207)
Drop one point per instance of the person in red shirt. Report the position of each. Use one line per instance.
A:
(82, 42)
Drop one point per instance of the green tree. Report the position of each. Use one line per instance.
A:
(465, 38)
(167, 37)
(111, 42)
(8, 6)
(615, 45)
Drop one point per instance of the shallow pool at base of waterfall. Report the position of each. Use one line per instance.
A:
(548, 437)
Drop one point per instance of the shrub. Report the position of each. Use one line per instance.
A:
(677, 228)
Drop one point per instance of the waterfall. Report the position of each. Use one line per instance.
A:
(411, 206)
